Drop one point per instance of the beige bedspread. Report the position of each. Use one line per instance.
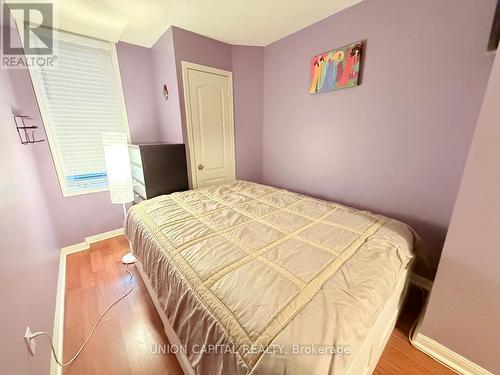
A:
(256, 279)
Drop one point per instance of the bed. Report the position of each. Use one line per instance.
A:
(251, 279)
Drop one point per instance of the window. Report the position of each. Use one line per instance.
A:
(79, 99)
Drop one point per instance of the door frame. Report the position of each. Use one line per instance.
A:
(189, 125)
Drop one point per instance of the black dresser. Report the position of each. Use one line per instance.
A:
(157, 169)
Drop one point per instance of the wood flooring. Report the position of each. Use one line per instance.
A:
(124, 341)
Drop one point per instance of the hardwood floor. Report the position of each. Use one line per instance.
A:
(122, 343)
(399, 356)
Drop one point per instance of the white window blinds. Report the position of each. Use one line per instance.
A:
(80, 98)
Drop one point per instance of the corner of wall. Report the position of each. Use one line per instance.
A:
(165, 72)
(29, 256)
(465, 292)
(248, 67)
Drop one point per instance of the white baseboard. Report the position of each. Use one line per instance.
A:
(104, 236)
(432, 348)
(90, 240)
(75, 248)
(447, 357)
(58, 333)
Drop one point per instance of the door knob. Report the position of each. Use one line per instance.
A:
(200, 166)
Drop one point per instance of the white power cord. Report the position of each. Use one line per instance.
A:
(36, 334)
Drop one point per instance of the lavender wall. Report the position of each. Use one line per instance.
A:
(81, 216)
(248, 81)
(169, 111)
(139, 88)
(28, 250)
(197, 49)
(415, 117)
(177, 45)
(397, 144)
(471, 258)
(151, 118)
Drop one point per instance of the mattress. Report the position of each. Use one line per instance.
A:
(260, 280)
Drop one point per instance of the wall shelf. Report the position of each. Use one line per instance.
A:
(26, 132)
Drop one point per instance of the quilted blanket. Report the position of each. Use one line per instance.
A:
(256, 279)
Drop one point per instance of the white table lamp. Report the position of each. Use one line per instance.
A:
(115, 146)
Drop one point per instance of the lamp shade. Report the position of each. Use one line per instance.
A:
(115, 146)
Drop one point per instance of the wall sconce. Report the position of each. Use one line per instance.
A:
(165, 91)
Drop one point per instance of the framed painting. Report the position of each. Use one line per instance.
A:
(336, 69)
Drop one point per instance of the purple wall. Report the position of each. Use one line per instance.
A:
(28, 250)
(177, 45)
(248, 80)
(174, 46)
(397, 144)
(139, 88)
(169, 111)
(74, 217)
(463, 309)
(423, 112)
(81, 216)
(198, 49)
(151, 118)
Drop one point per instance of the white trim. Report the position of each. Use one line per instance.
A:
(104, 236)
(45, 122)
(89, 41)
(90, 240)
(447, 357)
(45, 116)
(58, 332)
(206, 69)
(75, 248)
(187, 107)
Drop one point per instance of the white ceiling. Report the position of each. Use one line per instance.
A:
(142, 22)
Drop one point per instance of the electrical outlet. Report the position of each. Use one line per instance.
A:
(30, 343)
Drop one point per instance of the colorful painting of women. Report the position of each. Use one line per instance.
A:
(336, 69)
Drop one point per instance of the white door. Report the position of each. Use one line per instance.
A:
(208, 95)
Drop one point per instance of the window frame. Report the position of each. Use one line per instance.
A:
(93, 42)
